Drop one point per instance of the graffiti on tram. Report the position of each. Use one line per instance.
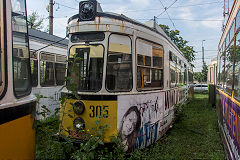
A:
(144, 119)
(231, 124)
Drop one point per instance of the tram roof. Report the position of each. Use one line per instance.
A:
(47, 38)
(151, 25)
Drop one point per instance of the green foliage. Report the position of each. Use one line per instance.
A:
(198, 76)
(174, 35)
(35, 21)
(51, 146)
(202, 76)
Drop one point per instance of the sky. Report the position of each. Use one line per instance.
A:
(197, 20)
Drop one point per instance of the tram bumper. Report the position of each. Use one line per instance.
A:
(99, 118)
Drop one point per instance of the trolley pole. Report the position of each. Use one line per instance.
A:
(50, 16)
(155, 22)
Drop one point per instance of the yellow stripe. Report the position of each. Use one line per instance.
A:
(230, 97)
(17, 139)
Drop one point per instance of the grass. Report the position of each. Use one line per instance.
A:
(195, 135)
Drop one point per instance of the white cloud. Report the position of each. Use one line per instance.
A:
(216, 25)
(59, 27)
(185, 13)
(140, 2)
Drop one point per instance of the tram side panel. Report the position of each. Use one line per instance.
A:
(50, 99)
(143, 119)
(229, 121)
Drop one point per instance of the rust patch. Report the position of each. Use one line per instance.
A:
(123, 27)
(95, 21)
(99, 22)
(79, 135)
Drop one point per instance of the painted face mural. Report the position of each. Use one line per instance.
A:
(129, 123)
(129, 129)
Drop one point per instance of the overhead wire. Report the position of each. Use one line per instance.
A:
(182, 19)
(166, 8)
(66, 6)
(168, 14)
(180, 6)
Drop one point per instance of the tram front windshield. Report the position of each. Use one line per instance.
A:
(85, 68)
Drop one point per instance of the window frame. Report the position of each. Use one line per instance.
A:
(237, 21)
(67, 70)
(34, 59)
(233, 64)
(222, 66)
(149, 67)
(54, 67)
(235, 52)
(172, 68)
(132, 57)
(3, 54)
(29, 89)
(59, 62)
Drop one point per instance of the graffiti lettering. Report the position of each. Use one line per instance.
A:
(147, 135)
(231, 114)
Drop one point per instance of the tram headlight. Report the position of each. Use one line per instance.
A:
(79, 124)
(78, 107)
(87, 10)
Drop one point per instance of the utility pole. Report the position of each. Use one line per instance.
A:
(203, 52)
(50, 16)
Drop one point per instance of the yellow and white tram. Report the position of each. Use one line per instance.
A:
(17, 136)
(130, 74)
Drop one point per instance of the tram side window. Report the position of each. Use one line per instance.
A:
(52, 69)
(21, 65)
(1, 73)
(180, 77)
(149, 65)
(170, 56)
(229, 68)
(227, 38)
(222, 70)
(177, 76)
(1, 57)
(1, 68)
(185, 76)
(175, 59)
(237, 68)
(238, 20)
(218, 69)
(173, 76)
(47, 70)
(119, 64)
(232, 31)
(34, 68)
(60, 69)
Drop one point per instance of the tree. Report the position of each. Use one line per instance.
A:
(187, 51)
(204, 72)
(35, 21)
(198, 76)
(202, 76)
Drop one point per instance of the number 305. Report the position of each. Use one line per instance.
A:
(98, 111)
